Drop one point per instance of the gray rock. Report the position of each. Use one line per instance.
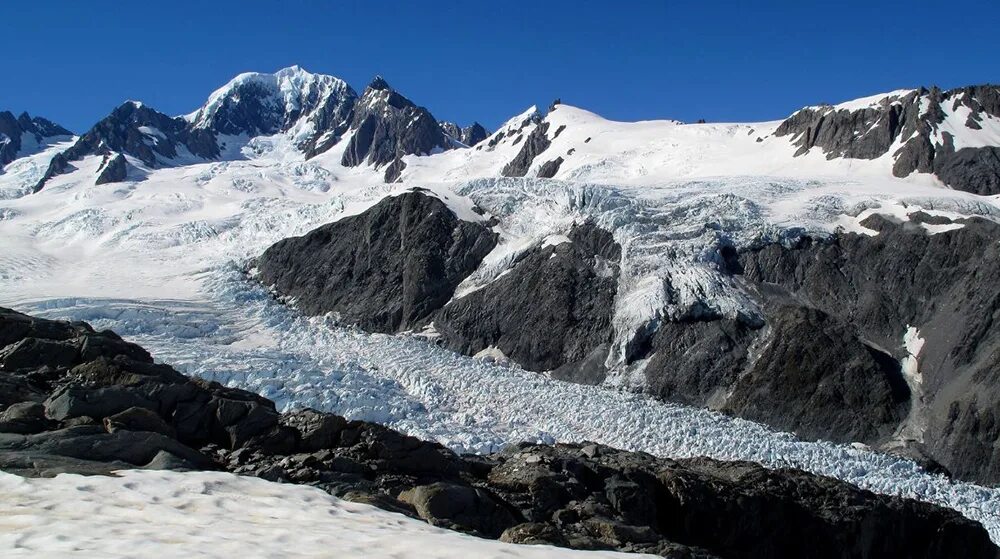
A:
(13, 129)
(817, 379)
(975, 170)
(25, 418)
(468, 136)
(904, 277)
(551, 311)
(31, 353)
(549, 168)
(388, 126)
(583, 496)
(385, 269)
(460, 507)
(536, 143)
(138, 419)
(114, 169)
(870, 132)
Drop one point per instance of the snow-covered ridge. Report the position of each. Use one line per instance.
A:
(292, 93)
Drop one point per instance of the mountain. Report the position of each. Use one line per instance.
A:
(771, 292)
(313, 112)
(314, 109)
(386, 127)
(468, 136)
(952, 134)
(25, 135)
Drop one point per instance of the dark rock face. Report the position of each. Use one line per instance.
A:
(695, 362)
(536, 143)
(388, 126)
(914, 119)
(13, 128)
(582, 496)
(550, 168)
(468, 136)
(878, 286)
(385, 269)
(120, 132)
(552, 311)
(515, 131)
(137, 130)
(975, 170)
(114, 169)
(825, 363)
(817, 379)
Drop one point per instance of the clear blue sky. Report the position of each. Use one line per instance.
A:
(73, 61)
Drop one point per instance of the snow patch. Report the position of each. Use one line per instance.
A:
(212, 514)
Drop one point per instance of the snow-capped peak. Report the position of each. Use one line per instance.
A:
(259, 103)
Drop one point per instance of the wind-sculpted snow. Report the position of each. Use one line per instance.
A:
(245, 338)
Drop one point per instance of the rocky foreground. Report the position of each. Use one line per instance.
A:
(76, 400)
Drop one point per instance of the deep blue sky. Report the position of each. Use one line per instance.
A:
(73, 61)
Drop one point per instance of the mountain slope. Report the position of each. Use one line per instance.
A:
(25, 135)
(310, 112)
(953, 134)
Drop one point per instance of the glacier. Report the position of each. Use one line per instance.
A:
(163, 261)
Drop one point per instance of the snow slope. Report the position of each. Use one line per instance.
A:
(157, 259)
(651, 152)
(210, 514)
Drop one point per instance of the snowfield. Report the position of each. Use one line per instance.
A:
(145, 514)
(160, 260)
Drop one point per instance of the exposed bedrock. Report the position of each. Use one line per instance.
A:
(88, 402)
(14, 129)
(937, 284)
(385, 269)
(550, 312)
(388, 126)
(914, 119)
(536, 142)
(113, 169)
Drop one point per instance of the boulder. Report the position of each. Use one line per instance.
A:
(459, 507)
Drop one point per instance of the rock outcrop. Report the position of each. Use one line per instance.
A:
(388, 126)
(882, 286)
(141, 132)
(77, 400)
(551, 312)
(467, 136)
(535, 143)
(114, 169)
(827, 359)
(385, 269)
(915, 119)
(315, 111)
(15, 132)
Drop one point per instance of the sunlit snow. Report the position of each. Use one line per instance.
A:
(160, 261)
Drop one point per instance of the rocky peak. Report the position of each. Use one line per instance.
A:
(388, 126)
(947, 133)
(314, 108)
(25, 135)
(514, 129)
(468, 136)
(137, 130)
(378, 83)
